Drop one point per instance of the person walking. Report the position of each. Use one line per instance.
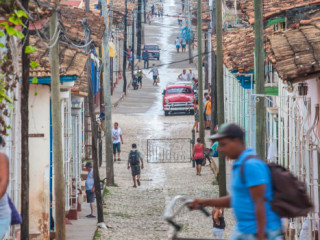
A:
(251, 197)
(5, 210)
(134, 163)
(196, 116)
(191, 76)
(90, 190)
(139, 76)
(145, 56)
(218, 223)
(184, 44)
(183, 76)
(207, 107)
(204, 109)
(152, 9)
(117, 140)
(198, 155)
(155, 74)
(177, 42)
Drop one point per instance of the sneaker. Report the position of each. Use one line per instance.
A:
(119, 159)
(138, 181)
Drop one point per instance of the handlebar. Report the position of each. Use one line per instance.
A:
(169, 215)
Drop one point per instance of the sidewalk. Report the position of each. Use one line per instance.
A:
(118, 93)
(83, 228)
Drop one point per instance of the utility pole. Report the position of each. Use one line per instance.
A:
(220, 95)
(24, 109)
(200, 80)
(214, 110)
(190, 34)
(87, 6)
(206, 63)
(125, 50)
(133, 43)
(59, 190)
(144, 11)
(107, 92)
(259, 78)
(94, 127)
(139, 29)
(94, 144)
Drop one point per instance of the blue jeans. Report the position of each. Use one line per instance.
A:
(271, 235)
(4, 225)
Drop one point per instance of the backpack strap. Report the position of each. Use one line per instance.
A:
(242, 167)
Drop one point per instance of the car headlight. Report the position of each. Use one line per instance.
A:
(191, 100)
(167, 101)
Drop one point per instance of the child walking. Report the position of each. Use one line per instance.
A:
(134, 162)
(218, 223)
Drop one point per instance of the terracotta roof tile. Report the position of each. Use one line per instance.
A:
(72, 17)
(238, 48)
(295, 53)
(274, 7)
(72, 61)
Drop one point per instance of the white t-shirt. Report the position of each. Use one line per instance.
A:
(184, 77)
(116, 135)
(191, 76)
(177, 42)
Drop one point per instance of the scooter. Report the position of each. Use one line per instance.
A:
(135, 84)
(169, 215)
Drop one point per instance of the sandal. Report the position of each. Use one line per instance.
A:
(134, 186)
(91, 216)
(138, 181)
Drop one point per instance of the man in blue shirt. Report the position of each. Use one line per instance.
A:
(251, 192)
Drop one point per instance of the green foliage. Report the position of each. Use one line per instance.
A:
(2, 33)
(30, 49)
(20, 14)
(16, 20)
(34, 64)
(34, 80)
(2, 45)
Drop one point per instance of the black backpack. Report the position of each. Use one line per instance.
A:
(290, 196)
(134, 157)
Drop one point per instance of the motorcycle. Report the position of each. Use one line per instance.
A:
(135, 84)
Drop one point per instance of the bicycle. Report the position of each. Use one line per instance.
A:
(169, 216)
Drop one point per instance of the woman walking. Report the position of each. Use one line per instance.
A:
(198, 155)
(196, 116)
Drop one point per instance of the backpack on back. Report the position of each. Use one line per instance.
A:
(290, 196)
(134, 157)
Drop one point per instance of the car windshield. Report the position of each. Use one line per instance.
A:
(178, 90)
(151, 47)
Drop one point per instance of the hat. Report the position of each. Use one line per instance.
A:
(190, 68)
(89, 165)
(229, 130)
(134, 145)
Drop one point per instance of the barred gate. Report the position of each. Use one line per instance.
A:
(174, 150)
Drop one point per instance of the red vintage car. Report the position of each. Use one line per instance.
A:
(178, 98)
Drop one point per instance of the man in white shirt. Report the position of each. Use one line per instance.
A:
(191, 75)
(178, 44)
(117, 139)
(183, 76)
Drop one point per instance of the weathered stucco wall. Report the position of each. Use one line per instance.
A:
(39, 155)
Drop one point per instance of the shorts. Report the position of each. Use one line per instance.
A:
(199, 161)
(90, 196)
(208, 117)
(139, 79)
(183, 46)
(155, 78)
(218, 233)
(116, 148)
(204, 116)
(177, 46)
(135, 170)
